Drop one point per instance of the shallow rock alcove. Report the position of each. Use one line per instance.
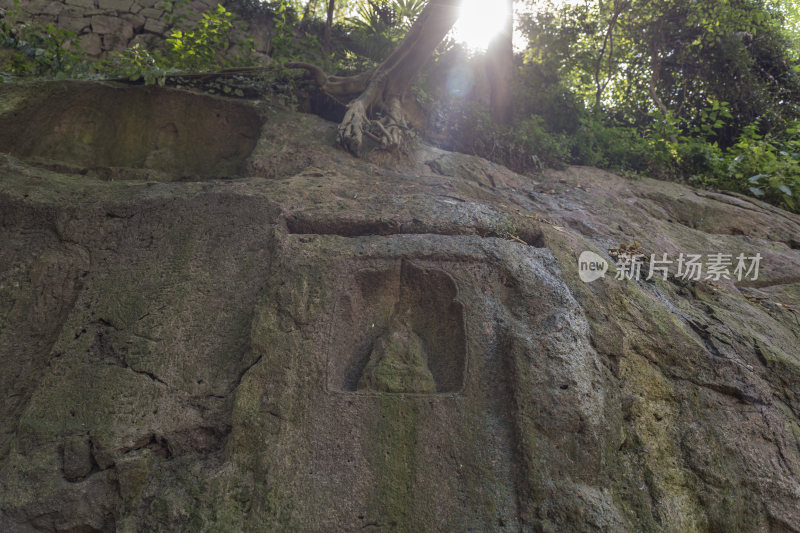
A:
(398, 328)
(165, 134)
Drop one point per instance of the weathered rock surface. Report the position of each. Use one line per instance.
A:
(183, 345)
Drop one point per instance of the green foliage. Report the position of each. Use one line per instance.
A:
(374, 30)
(32, 50)
(351, 63)
(377, 26)
(628, 57)
(767, 167)
(392, 18)
(365, 33)
(290, 42)
(137, 63)
(711, 120)
(175, 12)
(28, 49)
(671, 88)
(618, 147)
(705, 90)
(406, 11)
(524, 145)
(206, 47)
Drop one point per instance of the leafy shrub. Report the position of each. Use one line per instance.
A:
(596, 143)
(538, 92)
(136, 63)
(33, 50)
(290, 42)
(523, 145)
(47, 51)
(698, 159)
(203, 47)
(767, 167)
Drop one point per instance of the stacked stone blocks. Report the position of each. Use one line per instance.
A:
(110, 25)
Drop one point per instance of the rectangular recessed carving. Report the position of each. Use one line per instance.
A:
(398, 328)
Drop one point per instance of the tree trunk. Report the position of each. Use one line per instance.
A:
(500, 57)
(608, 46)
(386, 88)
(655, 74)
(328, 25)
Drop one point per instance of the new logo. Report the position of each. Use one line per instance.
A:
(591, 267)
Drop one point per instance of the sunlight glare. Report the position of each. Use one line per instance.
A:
(478, 24)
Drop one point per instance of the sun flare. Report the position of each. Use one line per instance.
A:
(478, 24)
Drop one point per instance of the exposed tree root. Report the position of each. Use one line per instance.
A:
(384, 91)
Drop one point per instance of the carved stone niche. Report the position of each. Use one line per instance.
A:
(398, 329)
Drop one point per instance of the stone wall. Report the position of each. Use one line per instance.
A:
(114, 25)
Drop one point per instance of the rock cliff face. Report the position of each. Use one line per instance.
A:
(213, 320)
